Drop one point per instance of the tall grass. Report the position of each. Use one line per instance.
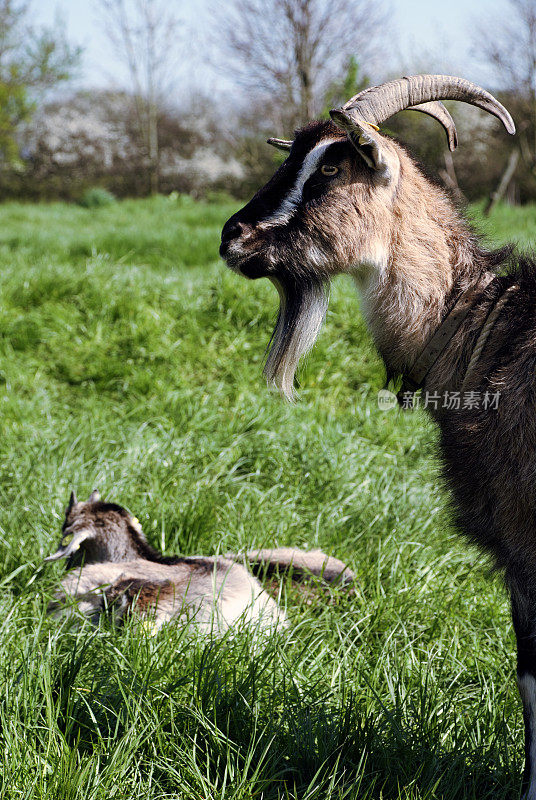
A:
(131, 362)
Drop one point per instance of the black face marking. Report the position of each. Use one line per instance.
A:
(270, 197)
(316, 187)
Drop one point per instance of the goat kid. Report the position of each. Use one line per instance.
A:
(111, 566)
(351, 200)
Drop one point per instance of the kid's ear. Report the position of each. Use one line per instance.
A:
(70, 543)
(72, 502)
(365, 137)
(136, 524)
(94, 497)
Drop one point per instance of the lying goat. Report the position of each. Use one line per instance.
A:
(112, 567)
(351, 200)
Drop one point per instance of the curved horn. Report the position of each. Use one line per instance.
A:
(437, 110)
(281, 144)
(378, 103)
(434, 109)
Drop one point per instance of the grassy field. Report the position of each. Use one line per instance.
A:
(131, 361)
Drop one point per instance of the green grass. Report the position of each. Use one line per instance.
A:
(131, 361)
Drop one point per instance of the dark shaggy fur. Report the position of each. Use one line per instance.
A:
(412, 256)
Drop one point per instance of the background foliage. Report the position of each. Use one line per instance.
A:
(285, 63)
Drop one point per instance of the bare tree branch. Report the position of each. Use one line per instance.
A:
(145, 36)
(293, 50)
(508, 45)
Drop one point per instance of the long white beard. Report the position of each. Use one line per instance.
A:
(302, 311)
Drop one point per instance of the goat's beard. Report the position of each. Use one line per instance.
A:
(302, 310)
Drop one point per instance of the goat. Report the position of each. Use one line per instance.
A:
(445, 313)
(111, 566)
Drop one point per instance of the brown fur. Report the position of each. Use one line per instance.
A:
(112, 568)
(412, 255)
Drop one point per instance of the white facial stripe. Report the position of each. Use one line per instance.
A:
(289, 203)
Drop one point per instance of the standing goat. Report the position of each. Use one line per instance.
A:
(351, 200)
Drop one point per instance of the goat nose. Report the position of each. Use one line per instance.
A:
(231, 230)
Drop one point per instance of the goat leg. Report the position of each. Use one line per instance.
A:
(524, 618)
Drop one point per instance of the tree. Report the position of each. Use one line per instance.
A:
(32, 61)
(290, 53)
(349, 83)
(508, 45)
(91, 138)
(145, 36)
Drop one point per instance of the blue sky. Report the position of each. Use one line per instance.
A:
(438, 33)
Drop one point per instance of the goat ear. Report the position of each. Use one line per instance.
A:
(364, 137)
(136, 524)
(70, 543)
(94, 497)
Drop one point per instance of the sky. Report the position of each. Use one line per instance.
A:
(439, 33)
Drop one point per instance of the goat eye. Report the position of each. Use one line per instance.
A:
(67, 539)
(329, 170)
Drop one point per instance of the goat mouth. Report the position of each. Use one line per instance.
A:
(248, 266)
